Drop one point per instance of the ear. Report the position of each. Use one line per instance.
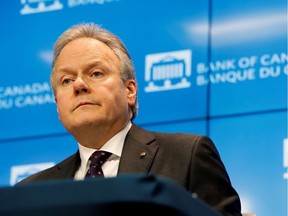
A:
(131, 87)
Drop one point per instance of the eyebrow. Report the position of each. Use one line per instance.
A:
(68, 69)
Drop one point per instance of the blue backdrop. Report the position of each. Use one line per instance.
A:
(214, 67)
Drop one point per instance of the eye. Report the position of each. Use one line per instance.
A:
(97, 74)
(66, 81)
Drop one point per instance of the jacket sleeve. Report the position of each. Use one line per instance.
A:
(210, 180)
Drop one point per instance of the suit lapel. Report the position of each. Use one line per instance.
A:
(138, 154)
(139, 151)
(66, 168)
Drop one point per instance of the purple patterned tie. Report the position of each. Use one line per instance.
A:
(97, 159)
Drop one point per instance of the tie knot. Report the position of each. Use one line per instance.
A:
(99, 157)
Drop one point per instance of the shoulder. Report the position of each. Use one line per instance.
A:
(58, 171)
(180, 139)
(39, 176)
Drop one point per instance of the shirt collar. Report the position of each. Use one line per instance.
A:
(114, 145)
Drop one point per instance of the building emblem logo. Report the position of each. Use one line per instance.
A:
(39, 6)
(168, 70)
(20, 172)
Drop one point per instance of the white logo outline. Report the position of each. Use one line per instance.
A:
(168, 70)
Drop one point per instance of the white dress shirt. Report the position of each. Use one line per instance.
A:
(110, 167)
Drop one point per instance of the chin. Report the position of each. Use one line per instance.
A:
(88, 122)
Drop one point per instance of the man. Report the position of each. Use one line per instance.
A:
(95, 89)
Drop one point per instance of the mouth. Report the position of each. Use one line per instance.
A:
(83, 103)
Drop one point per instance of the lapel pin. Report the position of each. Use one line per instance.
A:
(142, 154)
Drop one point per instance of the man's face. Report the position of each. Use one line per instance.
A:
(89, 90)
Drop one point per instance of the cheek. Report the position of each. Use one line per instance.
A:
(123, 100)
(59, 110)
(113, 92)
(61, 103)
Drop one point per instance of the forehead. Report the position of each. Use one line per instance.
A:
(86, 46)
(85, 51)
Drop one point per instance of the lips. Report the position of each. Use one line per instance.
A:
(83, 103)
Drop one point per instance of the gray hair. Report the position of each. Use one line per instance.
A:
(91, 30)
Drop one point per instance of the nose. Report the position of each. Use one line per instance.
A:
(80, 86)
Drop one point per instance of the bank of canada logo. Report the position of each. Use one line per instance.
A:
(22, 171)
(39, 6)
(168, 70)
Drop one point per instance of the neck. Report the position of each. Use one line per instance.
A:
(96, 137)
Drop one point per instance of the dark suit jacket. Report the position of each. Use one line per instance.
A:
(189, 160)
